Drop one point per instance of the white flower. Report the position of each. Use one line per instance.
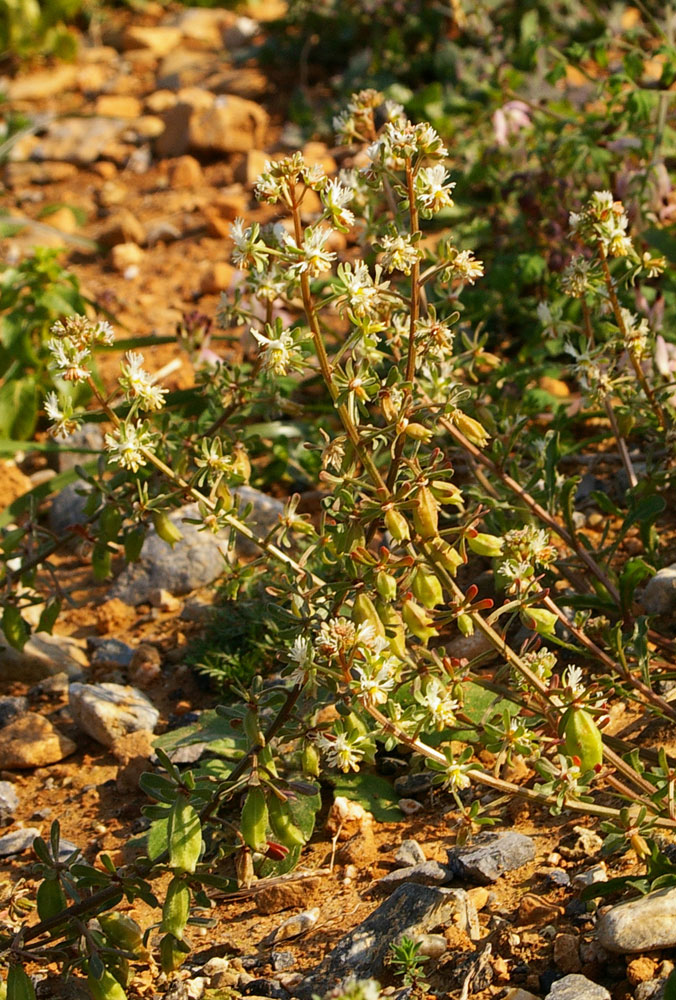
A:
(68, 360)
(336, 198)
(456, 776)
(127, 443)
(137, 383)
(468, 267)
(248, 250)
(363, 295)
(573, 680)
(311, 257)
(375, 685)
(432, 190)
(400, 253)
(341, 751)
(278, 352)
(439, 703)
(63, 422)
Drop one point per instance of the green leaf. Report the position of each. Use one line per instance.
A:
(372, 792)
(670, 987)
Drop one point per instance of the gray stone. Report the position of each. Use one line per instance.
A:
(411, 910)
(409, 853)
(66, 848)
(78, 140)
(9, 801)
(111, 653)
(577, 988)
(107, 711)
(11, 708)
(427, 873)
(596, 874)
(412, 785)
(643, 924)
(43, 656)
(654, 989)
(18, 841)
(490, 856)
(659, 594)
(89, 438)
(68, 508)
(282, 960)
(199, 558)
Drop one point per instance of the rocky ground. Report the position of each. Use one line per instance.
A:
(142, 153)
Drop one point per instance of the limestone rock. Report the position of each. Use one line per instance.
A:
(287, 895)
(643, 924)
(411, 910)
(159, 40)
(43, 656)
(18, 841)
(577, 988)
(107, 712)
(32, 741)
(490, 856)
(659, 595)
(232, 125)
(9, 801)
(44, 84)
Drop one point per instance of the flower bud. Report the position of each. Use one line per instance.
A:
(364, 612)
(471, 428)
(390, 411)
(485, 545)
(166, 528)
(426, 587)
(418, 621)
(397, 525)
(426, 513)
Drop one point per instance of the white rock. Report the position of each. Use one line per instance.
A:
(659, 595)
(643, 924)
(577, 988)
(108, 711)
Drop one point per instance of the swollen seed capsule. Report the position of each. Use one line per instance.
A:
(310, 759)
(471, 428)
(418, 621)
(386, 585)
(166, 528)
(394, 629)
(485, 545)
(254, 819)
(418, 432)
(426, 513)
(539, 619)
(582, 738)
(397, 525)
(426, 587)
(364, 613)
(105, 988)
(446, 555)
(122, 932)
(286, 831)
(465, 624)
(446, 493)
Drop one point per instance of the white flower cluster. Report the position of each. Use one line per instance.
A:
(72, 343)
(635, 334)
(604, 222)
(344, 750)
(129, 443)
(138, 386)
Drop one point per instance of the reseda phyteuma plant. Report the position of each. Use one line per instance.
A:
(369, 595)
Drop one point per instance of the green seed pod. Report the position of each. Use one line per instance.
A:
(241, 464)
(14, 627)
(133, 543)
(426, 587)
(50, 898)
(284, 829)
(185, 836)
(539, 619)
(310, 759)
(225, 496)
(446, 493)
(485, 545)
(475, 432)
(105, 988)
(254, 819)
(166, 528)
(19, 986)
(119, 967)
(465, 624)
(397, 525)
(395, 632)
(426, 513)
(582, 738)
(173, 953)
(110, 522)
(386, 585)
(418, 432)
(123, 932)
(364, 612)
(446, 555)
(176, 909)
(418, 621)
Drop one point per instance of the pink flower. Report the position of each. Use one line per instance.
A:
(510, 119)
